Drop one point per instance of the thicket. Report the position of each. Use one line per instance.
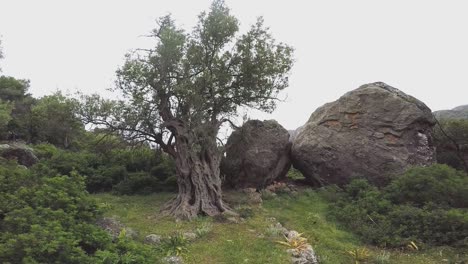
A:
(53, 126)
(121, 169)
(451, 141)
(426, 205)
(50, 218)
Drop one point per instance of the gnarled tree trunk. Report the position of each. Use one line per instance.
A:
(198, 181)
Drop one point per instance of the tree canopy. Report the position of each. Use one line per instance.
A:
(179, 93)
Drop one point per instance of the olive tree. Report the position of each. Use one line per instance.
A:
(178, 95)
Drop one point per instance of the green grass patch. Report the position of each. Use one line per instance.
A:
(226, 243)
(307, 213)
(249, 242)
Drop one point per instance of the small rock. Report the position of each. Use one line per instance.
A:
(153, 239)
(173, 260)
(113, 226)
(267, 194)
(249, 190)
(293, 234)
(281, 228)
(255, 198)
(233, 220)
(190, 236)
(306, 256)
(131, 233)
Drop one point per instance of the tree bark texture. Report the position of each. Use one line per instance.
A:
(198, 178)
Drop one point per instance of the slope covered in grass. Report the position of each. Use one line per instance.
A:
(252, 242)
(307, 213)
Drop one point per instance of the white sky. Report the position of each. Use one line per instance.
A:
(418, 46)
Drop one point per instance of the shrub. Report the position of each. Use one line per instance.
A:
(50, 219)
(105, 177)
(126, 251)
(174, 245)
(203, 229)
(124, 170)
(46, 219)
(139, 182)
(438, 184)
(45, 151)
(424, 205)
(295, 174)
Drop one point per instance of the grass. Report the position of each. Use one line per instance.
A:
(226, 243)
(307, 213)
(249, 242)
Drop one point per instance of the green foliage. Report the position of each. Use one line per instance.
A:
(13, 90)
(439, 184)
(45, 151)
(298, 242)
(359, 255)
(203, 229)
(451, 140)
(251, 242)
(46, 219)
(190, 83)
(5, 117)
(295, 174)
(50, 219)
(245, 211)
(126, 251)
(174, 245)
(123, 169)
(54, 120)
(425, 204)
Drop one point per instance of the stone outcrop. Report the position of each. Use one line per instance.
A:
(256, 154)
(23, 154)
(375, 131)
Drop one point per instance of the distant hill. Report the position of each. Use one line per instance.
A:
(459, 112)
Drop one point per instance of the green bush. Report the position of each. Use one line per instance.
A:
(45, 151)
(50, 219)
(143, 183)
(123, 170)
(105, 177)
(427, 205)
(126, 251)
(438, 184)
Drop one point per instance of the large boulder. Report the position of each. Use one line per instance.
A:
(256, 154)
(375, 132)
(23, 154)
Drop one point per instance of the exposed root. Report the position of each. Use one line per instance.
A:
(179, 208)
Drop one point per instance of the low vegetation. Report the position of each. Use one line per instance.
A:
(256, 240)
(51, 219)
(49, 212)
(426, 206)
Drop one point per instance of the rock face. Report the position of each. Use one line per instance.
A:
(256, 154)
(20, 152)
(374, 132)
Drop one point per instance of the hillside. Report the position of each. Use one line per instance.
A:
(459, 112)
(255, 240)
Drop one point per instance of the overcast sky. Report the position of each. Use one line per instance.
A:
(418, 46)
